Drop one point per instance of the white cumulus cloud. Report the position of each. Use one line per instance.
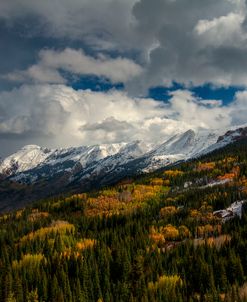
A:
(76, 62)
(59, 116)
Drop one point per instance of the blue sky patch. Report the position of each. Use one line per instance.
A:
(206, 92)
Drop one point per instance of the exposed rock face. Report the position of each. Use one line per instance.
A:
(233, 135)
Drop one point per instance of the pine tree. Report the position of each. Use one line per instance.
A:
(33, 296)
(17, 287)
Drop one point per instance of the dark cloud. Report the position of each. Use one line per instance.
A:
(195, 42)
(102, 23)
(191, 42)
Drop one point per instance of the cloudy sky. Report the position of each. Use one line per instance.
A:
(102, 71)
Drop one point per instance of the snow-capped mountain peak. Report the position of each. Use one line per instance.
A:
(25, 159)
(231, 135)
(102, 162)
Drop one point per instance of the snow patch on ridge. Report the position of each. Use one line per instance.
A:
(25, 159)
(32, 163)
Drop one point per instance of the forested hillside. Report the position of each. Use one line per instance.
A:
(179, 234)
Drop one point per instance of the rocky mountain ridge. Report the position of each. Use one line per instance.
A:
(46, 171)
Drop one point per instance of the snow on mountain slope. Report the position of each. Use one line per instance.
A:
(84, 154)
(99, 152)
(25, 159)
(232, 135)
(33, 163)
(180, 147)
(188, 143)
(126, 154)
(32, 156)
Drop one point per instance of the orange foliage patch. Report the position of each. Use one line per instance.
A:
(157, 181)
(85, 243)
(104, 206)
(207, 230)
(213, 241)
(157, 238)
(167, 211)
(170, 232)
(206, 166)
(68, 253)
(173, 173)
(19, 214)
(229, 176)
(184, 232)
(35, 215)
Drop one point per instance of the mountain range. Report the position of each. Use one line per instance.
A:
(35, 172)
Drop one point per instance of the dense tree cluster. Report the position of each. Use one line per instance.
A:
(154, 238)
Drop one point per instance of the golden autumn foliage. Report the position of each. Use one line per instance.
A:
(81, 196)
(170, 200)
(58, 226)
(85, 243)
(203, 214)
(211, 197)
(104, 206)
(35, 215)
(205, 208)
(194, 213)
(145, 192)
(168, 283)
(184, 232)
(228, 160)
(166, 182)
(68, 200)
(168, 211)
(170, 232)
(218, 241)
(206, 166)
(68, 253)
(157, 181)
(122, 199)
(28, 260)
(207, 230)
(4, 217)
(173, 173)
(243, 183)
(19, 214)
(169, 241)
(157, 238)
(111, 202)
